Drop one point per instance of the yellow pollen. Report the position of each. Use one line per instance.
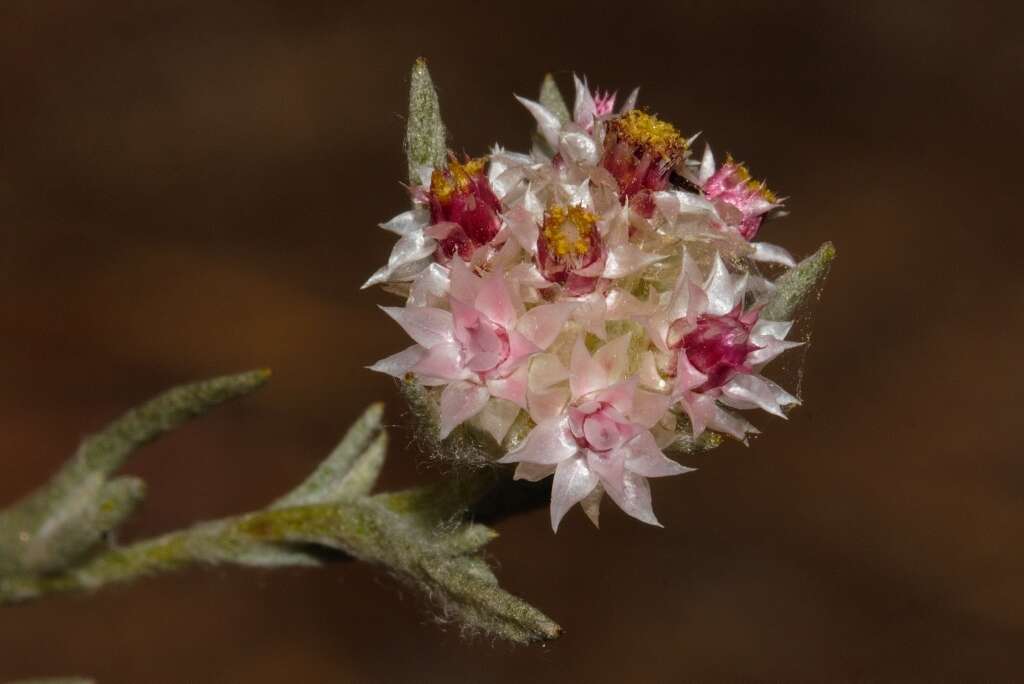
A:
(746, 179)
(643, 129)
(456, 178)
(568, 229)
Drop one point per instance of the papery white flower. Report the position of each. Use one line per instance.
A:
(512, 263)
(477, 349)
(714, 349)
(599, 440)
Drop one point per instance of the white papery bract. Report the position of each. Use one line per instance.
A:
(601, 292)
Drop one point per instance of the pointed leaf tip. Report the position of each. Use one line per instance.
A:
(797, 284)
(425, 144)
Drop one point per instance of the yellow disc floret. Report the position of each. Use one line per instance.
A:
(744, 177)
(644, 130)
(456, 178)
(568, 230)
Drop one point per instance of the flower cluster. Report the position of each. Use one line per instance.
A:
(602, 286)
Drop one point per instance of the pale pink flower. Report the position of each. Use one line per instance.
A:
(739, 199)
(594, 436)
(575, 248)
(455, 212)
(576, 141)
(714, 350)
(641, 152)
(477, 350)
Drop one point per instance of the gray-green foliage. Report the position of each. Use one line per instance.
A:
(797, 285)
(420, 536)
(425, 143)
(64, 520)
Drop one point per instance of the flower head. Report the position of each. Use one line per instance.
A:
(464, 210)
(570, 250)
(740, 200)
(477, 349)
(715, 349)
(599, 441)
(604, 237)
(640, 152)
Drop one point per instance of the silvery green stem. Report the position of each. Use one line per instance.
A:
(418, 535)
(69, 515)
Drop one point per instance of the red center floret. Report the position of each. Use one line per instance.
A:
(462, 200)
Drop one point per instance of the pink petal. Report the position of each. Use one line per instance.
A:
(494, 300)
(720, 289)
(702, 411)
(546, 370)
(584, 108)
(443, 362)
(548, 443)
(731, 424)
(497, 417)
(544, 404)
(464, 317)
(601, 432)
(648, 374)
(614, 357)
(773, 254)
(464, 284)
(585, 374)
(578, 147)
(631, 493)
(647, 459)
(399, 364)
(407, 222)
(769, 350)
(460, 401)
(749, 391)
(620, 395)
(441, 230)
(649, 407)
(523, 226)
(427, 326)
(542, 324)
(573, 481)
(707, 165)
(511, 388)
(430, 287)
(626, 260)
(533, 472)
(519, 349)
(591, 504)
(547, 123)
(687, 377)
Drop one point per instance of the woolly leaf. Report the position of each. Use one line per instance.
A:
(68, 516)
(425, 133)
(799, 283)
(351, 469)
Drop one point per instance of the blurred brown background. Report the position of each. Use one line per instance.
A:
(188, 189)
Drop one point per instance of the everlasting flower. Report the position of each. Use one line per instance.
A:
(740, 200)
(570, 251)
(476, 350)
(605, 234)
(600, 441)
(640, 152)
(464, 210)
(715, 350)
